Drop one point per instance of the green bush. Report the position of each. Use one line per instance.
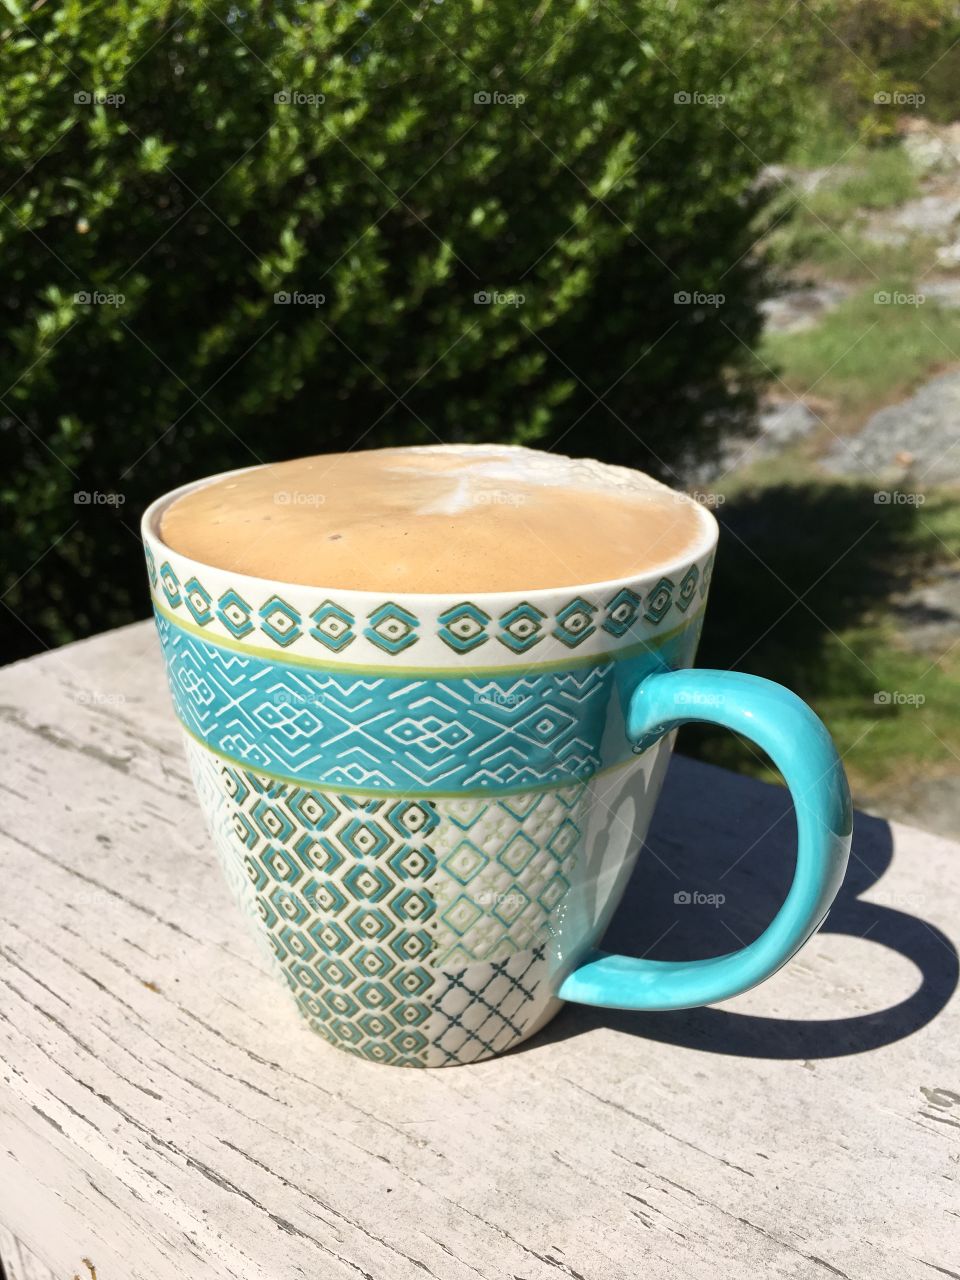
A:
(877, 61)
(154, 154)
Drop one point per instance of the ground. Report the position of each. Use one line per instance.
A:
(841, 523)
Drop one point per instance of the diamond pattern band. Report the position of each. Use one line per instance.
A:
(373, 733)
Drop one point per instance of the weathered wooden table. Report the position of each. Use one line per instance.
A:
(165, 1114)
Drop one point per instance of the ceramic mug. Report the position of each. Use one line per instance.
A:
(430, 805)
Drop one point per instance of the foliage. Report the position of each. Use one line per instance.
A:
(179, 157)
(882, 59)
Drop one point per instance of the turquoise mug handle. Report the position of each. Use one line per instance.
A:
(800, 747)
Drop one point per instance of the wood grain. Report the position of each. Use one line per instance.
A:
(164, 1113)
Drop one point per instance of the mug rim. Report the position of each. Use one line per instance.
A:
(705, 543)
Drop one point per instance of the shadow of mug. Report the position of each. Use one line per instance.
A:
(734, 838)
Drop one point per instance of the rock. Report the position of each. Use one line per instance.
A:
(934, 216)
(783, 421)
(779, 423)
(797, 309)
(929, 613)
(943, 293)
(928, 153)
(803, 181)
(949, 255)
(932, 148)
(926, 427)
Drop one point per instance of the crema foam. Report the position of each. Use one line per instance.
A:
(447, 519)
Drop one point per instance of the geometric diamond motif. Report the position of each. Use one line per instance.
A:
(198, 602)
(621, 612)
(563, 839)
(688, 585)
(171, 584)
(463, 627)
(409, 904)
(280, 621)
(575, 622)
(497, 890)
(332, 626)
(364, 839)
(412, 818)
(367, 883)
(340, 885)
(234, 612)
(464, 862)
(659, 600)
(517, 853)
(520, 627)
(392, 628)
(310, 808)
(461, 914)
(364, 922)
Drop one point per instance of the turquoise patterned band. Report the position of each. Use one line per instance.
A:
(373, 731)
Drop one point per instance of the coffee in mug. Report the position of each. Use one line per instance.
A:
(428, 697)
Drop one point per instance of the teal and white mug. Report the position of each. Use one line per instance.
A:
(430, 805)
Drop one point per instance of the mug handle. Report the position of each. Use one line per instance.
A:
(800, 747)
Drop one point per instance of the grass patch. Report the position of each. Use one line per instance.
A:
(825, 229)
(812, 247)
(864, 352)
(881, 178)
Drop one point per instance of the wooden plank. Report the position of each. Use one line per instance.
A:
(165, 1113)
(17, 1262)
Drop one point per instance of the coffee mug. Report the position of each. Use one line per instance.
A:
(430, 805)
